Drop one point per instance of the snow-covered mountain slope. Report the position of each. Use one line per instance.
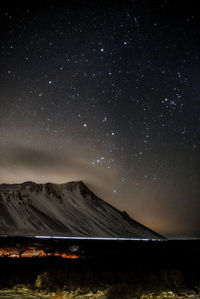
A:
(69, 209)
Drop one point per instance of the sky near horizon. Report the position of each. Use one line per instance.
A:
(106, 92)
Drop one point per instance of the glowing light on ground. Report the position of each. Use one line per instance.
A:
(33, 253)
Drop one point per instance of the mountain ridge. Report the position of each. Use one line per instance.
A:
(70, 209)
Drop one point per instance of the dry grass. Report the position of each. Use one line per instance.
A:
(59, 295)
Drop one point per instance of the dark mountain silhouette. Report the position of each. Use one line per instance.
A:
(70, 209)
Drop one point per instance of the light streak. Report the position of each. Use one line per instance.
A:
(97, 238)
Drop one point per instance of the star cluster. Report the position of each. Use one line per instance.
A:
(115, 86)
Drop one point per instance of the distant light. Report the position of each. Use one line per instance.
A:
(85, 125)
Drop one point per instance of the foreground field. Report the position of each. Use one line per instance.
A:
(108, 270)
(22, 292)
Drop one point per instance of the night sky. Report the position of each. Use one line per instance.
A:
(107, 92)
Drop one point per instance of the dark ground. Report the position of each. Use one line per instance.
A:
(126, 266)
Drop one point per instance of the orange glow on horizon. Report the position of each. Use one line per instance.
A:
(32, 253)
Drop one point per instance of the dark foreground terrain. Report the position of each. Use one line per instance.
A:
(104, 269)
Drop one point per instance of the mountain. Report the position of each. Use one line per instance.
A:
(69, 209)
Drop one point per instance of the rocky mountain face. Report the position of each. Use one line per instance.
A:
(69, 209)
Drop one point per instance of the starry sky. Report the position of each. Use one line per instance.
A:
(106, 92)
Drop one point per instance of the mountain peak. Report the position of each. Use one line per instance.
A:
(76, 187)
